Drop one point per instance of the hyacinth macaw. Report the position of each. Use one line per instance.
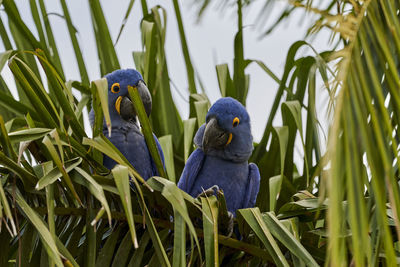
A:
(224, 146)
(125, 132)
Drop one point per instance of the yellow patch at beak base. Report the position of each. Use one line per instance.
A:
(118, 104)
(229, 139)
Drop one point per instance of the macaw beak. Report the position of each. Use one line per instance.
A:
(214, 136)
(125, 108)
(124, 105)
(145, 96)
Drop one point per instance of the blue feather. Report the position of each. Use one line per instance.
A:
(227, 167)
(126, 135)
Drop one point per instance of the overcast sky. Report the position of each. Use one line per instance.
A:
(210, 42)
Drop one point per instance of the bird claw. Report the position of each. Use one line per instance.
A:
(227, 224)
(209, 192)
(230, 224)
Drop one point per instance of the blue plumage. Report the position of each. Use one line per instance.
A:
(125, 132)
(224, 146)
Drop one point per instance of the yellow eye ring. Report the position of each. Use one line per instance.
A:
(235, 122)
(115, 88)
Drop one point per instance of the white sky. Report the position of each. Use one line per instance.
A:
(210, 42)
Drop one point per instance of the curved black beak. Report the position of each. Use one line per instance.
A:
(125, 107)
(145, 96)
(126, 110)
(214, 136)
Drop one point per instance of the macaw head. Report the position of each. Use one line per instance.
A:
(119, 102)
(227, 131)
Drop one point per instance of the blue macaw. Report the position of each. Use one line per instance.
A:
(125, 132)
(224, 146)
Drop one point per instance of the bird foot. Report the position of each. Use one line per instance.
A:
(209, 192)
(230, 224)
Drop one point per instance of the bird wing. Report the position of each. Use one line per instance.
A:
(118, 139)
(153, 165)
(191, 170)
(253, 186)
(91, 117)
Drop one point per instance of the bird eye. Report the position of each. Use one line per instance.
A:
(115, 88)
(235, 122)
